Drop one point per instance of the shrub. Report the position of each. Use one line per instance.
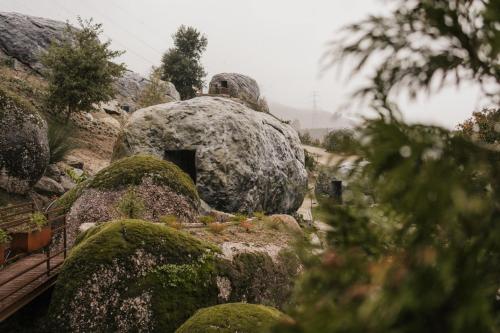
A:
(273, 223)
(341, 141)
(247, 226)
(310, 162)
(4, 237)
(207, 219)
(131, 206)
(171, 221)
(239, 218)
(60, 141)
(37, 221)
(259, 215)
(76, 177)
(484, 126)
(216, 227)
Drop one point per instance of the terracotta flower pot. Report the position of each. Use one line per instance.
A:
(30, 241)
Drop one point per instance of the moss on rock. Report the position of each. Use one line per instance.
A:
(131, 171)
(132, 275)
(232, 318)
(24, 149)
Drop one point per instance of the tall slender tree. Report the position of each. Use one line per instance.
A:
(181, 64)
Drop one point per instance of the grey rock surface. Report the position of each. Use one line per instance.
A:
(238, 86)
(24, 147)
(48, 185)
(246, 161)
(25, 38)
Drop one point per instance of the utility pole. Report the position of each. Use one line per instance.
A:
(315, 107)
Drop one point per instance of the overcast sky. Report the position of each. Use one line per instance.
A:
(278, 42)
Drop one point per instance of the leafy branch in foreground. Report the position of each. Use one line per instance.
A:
(422, 46)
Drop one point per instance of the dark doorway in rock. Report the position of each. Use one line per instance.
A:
(184, 159)
(337, 191)
(223, 84)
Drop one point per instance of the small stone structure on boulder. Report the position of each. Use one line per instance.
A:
(231, 318)
(154, 187)
(24, 147)
(239, 86)
(240, 160)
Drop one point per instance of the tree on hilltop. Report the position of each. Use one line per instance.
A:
(181, 64)
(80, 70)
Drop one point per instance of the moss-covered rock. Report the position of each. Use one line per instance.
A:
(133, 276)
(24, 148)
(132, 171)
(232, 318)
(140, 186)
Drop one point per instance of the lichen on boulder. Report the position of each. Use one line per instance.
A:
(232, 318)
(133, 276)
(245, 161)
(158, 187)
(24, 148)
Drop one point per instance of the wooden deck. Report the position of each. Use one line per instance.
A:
(30, 277)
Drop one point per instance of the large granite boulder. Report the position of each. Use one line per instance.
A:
(241, 160)
(133, 276)
(24, 148)
(140, 186)
(26, 38)
(239, 86)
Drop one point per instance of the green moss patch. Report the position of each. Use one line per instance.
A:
(132, 275)
(231, 318)
(131, 171)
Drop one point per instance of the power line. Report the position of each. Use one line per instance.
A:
(125, 30)
(153, 63)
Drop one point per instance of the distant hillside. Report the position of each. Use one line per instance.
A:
(316, 133)
(308, 119)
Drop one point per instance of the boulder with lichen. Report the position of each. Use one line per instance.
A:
(245, 161)
(133, 276)
(24, 147)
(140, 186)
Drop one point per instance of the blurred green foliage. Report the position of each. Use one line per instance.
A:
(418, 247)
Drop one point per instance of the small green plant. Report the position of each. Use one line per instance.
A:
(273, 223)
(131, 205)
(76, 177)
(37, 222)
(60, 141)
(239, 218)
(4, 237)
(171, 221)
(216, 227)
(207, 219)
(259, 215)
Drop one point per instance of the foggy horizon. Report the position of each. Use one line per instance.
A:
(280, 44)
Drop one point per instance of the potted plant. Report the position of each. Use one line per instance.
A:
(4, 239)
(33, 236)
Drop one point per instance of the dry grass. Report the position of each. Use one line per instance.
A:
(171, 221)
(247, 226)
(207, 219)
(216, 228)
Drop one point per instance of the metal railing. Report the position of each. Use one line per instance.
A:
(15, 216)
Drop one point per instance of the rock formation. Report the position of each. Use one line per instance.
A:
(133, 276)
(241, 160)
(241, 87)
(143, 186)
(24, 148)
(25, 38)
(231, 318)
